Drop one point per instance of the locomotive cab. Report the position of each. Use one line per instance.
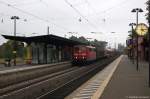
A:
(79, 53)
(83, 54)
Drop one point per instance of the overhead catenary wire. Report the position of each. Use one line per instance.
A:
(103, 12)
(110, 8)
(25, 4)
(3, 16)
(30, 14)
(92, 9)
(76, 10)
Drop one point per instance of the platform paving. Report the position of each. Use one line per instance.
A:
(3, 67)
(127, 82)
(94, 87)
(25, 66)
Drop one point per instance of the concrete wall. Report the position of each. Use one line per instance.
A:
(34, 53)
(47, 53)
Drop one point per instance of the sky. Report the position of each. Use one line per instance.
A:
(80, 17)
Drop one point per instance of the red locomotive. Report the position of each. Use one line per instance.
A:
(82, 54)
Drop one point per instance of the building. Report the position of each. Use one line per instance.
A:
(46, 48)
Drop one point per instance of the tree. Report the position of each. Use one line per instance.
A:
(73, 38)
(83, 40)
(7, 49)
(80, 39)
(99, 43)
(2, 51)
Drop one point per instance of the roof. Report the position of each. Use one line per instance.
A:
(92, 47)
(49, 39)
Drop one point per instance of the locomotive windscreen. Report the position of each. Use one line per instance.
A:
(79, 48)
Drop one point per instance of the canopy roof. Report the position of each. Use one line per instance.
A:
(49, 39)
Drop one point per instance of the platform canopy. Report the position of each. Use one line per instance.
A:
(48, 39)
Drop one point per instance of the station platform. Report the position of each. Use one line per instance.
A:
(119, 80)
(3, 68)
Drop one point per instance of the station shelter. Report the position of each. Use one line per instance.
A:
(45, 49)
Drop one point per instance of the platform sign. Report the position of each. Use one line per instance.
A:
(129, 42)
(141, 29)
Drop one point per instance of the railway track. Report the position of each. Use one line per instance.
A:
(55, 84)
(24, 84)
(65, 89)
(12, 80)
(10, 77)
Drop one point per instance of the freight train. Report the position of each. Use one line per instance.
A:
(83, 54)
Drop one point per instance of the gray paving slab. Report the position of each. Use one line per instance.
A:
(23, 66)
(127, 82)
(95, 86)
(3, 67)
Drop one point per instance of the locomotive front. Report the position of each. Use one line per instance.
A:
(83, 54)
(79, 54)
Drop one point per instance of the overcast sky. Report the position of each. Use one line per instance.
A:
(62, 16)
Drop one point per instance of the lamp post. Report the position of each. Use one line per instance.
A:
(14, 52)
(137, 10)
(132, 31)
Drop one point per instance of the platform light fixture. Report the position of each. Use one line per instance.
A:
(14, 52)
(137, 10)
